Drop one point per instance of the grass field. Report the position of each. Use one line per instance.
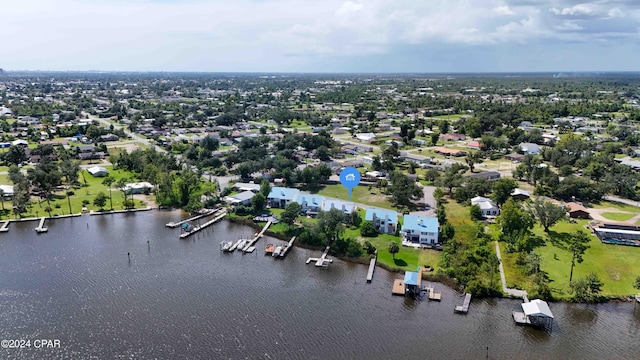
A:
(617, 266)
(618, 216)
(614, 205)
(361, 194)
(60, 204)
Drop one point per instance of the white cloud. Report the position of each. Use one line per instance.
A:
(247, 34)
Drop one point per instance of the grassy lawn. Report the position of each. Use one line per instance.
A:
(361, 194)
(60, 204)
(618, 216)
(616, 265)
(614, 205)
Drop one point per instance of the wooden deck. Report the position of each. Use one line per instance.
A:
(434, 295)
(176, 224)
(322, 260)
(398, 287)
(256, 238)
(287, 247)
(197, 228)
(464, 308)
(520, 318)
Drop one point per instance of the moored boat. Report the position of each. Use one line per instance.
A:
(268, 250)
(277, 251)
(226, 246)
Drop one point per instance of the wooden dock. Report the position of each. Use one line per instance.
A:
(284, 251)
(465, 305)
(372, 267)
(5, 226)
(322, 260)
(197, 228)
(253, 241)
(41, 228)
(398, 287)
(176, 224)
(433, 295)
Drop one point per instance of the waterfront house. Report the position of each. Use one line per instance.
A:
(243, 198)
(344, 206)
(488, 207)
(98, 171)
(280, 197)
(535, 313)
(310, 204)
(419, 230)
(412, 280)
(137, 188)
(385, 221)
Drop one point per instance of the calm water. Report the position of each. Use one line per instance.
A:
(184, 299)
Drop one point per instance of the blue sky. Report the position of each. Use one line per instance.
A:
(321, 35)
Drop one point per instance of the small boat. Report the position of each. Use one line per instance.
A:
(269, 249)
(277, 251)
(226, 246)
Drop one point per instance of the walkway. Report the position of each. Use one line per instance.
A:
(505, 289)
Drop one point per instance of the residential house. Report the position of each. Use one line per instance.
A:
(419, 230)
(247, 187)
(243, 198)
(280, 197)
(109, 137)
(474, 145)
(98, 171)
(452, 137)
(137, 188)
(489, 208)
(520, 194)
(514, 157)
(6, 191)
(385, 221)
(529, 148)
(22, 143)
(366, 137)
(576, 210)
(310, 204)
(488, 175)
(446, 151)
(345, 207)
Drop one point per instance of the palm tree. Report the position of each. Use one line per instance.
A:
(108, 181)
(69, 193)
(393, 249)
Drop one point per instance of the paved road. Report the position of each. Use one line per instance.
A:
(505, 289)
(617, 199)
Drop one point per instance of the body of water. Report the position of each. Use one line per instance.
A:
(184, 299)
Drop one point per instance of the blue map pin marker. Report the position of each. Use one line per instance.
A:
(350, 178)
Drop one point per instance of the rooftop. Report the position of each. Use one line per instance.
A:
(283, 193)
(414, 222)
(381, 214)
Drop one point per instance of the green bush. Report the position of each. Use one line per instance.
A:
(368, 229)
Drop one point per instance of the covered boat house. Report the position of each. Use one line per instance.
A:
(534, 313)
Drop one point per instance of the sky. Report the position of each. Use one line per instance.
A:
(321, 35)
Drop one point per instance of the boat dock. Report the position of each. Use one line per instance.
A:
(176, 224)
(372, 267)
(285, 250)
(464, 308)
(398, 287)
(433, 295)
(322, 260)
(41, 228)
(252, 243)
(197, 228)
(5, 226)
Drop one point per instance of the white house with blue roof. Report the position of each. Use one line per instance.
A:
(419, 230)
(345, 207)
(280, 197)
(310, 204)
(385, 221)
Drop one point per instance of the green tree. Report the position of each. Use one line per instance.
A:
(48, 209)
(547, 213)
(438, 193)
(290, 213)
(69, 170)
(587, 289)
(402, 189)
(636, 284)
(108, 181)
(452, 177)
(514, 222)
(265, 188)
(393, 249)
(15, 155)
(368, 229)
(330, 224)
(100, 200)
(471, 159)
(577, 245)
(475, 212)
(257, 202)
(502, 189)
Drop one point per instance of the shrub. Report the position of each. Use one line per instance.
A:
(368, 229)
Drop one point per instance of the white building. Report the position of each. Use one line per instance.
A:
(419, 230)
(488, 207)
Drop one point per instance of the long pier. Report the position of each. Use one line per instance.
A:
(197, 228)
(176, 224)
(287, 247)
(372, 267)
(322, 260)
(252, 243)
(41, 228)
(5, 226)
(465, 305)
